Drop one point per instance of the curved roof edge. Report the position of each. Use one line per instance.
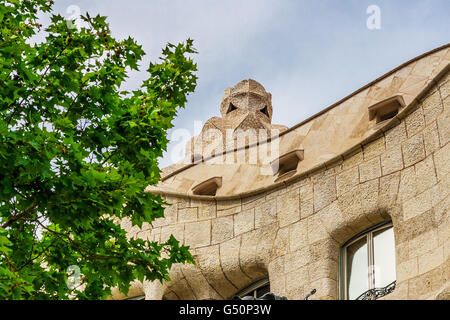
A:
(445, 46)
(185, 167)
(327, 164)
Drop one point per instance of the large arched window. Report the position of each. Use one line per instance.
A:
(368, 264)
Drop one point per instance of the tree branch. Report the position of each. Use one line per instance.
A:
(19, 216)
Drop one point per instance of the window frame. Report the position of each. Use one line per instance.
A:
(139, 297)
(368, 234)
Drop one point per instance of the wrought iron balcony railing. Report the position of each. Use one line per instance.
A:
(376, 293)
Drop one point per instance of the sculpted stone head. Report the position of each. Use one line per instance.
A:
(246, 111)
(247, 99)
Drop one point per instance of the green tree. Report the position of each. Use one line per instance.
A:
(76, 154)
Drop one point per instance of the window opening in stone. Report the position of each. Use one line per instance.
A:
(368, 264)
(256, 290)
(231, 107)
(386, 109)
(265, 111)
(387, 116)
(286, 165)
(208, 187)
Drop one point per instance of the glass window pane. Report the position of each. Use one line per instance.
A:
(384, 257)
(357, 269)
(262, 291)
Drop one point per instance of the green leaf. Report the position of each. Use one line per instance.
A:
(77, 153)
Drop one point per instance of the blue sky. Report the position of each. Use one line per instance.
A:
(308, 54)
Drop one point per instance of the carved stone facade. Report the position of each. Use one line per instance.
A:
(355, 173)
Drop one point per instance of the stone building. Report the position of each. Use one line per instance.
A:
(352, 202)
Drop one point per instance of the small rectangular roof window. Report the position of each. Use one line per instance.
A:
(386, 109)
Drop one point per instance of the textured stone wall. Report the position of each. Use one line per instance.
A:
(323, 137)
(293, 234)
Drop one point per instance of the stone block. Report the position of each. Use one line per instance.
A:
(389, 186)
(208, 260)
(430, 260)
(326, 289)
(298, 235)
(206, 212)
(414, 227)
(442, 161)
(395, 135)
(334, 222)
(265, 213)
(374, 148)
(244, 222)
(281, 244)
(297, 259)
(347, 180)
(423, 286)
(327, 268)
(253, 201)
(431, 138)
(408, 184)
(277, 285)
(276, 267)
(401, 251)
(199, 284)
(407, 270)
(288, 208)
(273, 194)
(324, 193)
(445, 89)
(417, 205)
(446, 103)
(423, 243)
(183, 290)
(316, 229)
(170, 215)
(226, 207)
(322, 175)
(266, 237)
(432, 107)
(187, 214)
(229, 260)
(177, 230)
(415, 122)
(425, 173)
(306, 192)
(222, 229)
(370, 170)
(392, 160)
(295, 281)
(443, 123)
(352, 160)
(413, 150)
(325, 249)
(229, 211)
(360, 205)
(197, 234)
(306, 208)
(255, 254)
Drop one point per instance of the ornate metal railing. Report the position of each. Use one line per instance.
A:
(267, 296)
(376, 293)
